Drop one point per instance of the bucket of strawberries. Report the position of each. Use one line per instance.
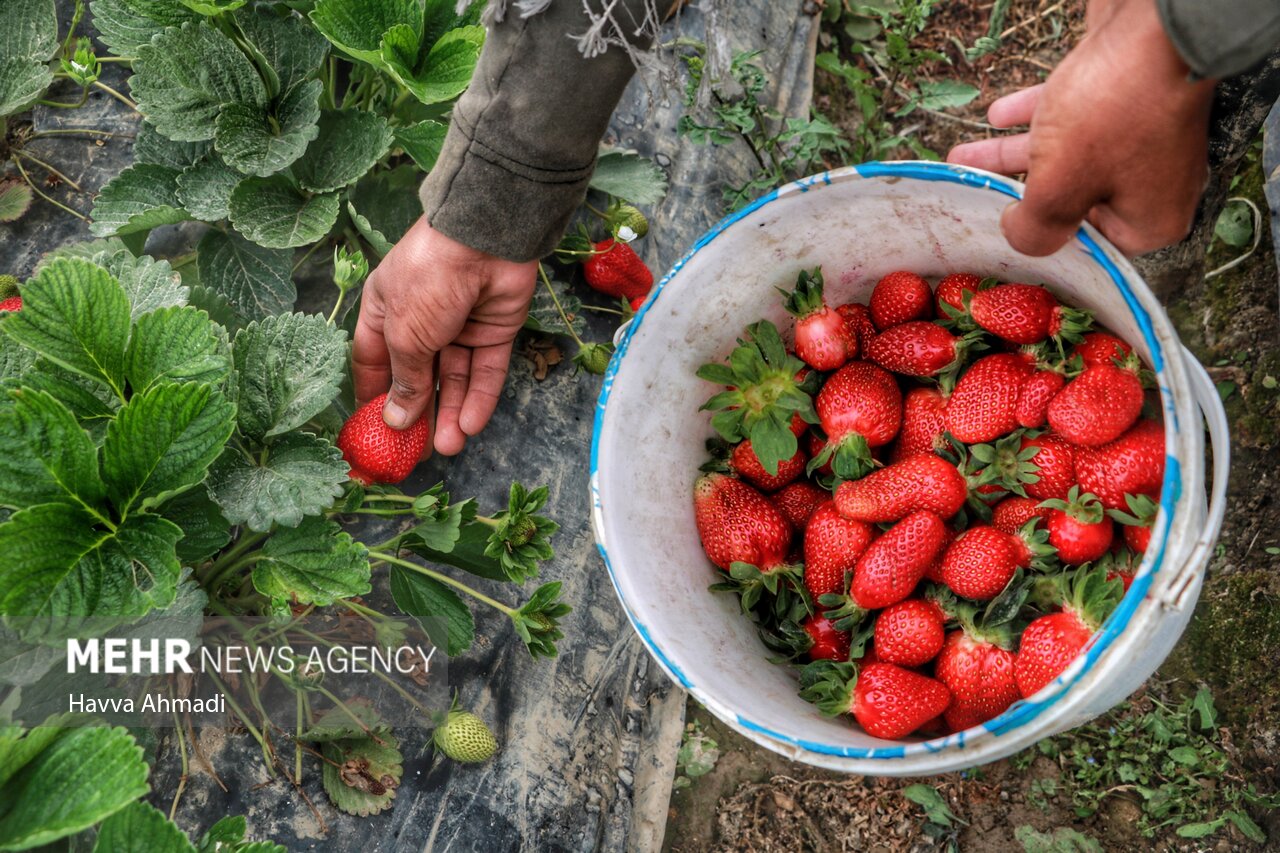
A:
(946, 499)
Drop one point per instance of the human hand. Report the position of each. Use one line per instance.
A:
(1118, 136)
(435, 307)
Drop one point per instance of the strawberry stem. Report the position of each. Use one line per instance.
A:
(542, 272)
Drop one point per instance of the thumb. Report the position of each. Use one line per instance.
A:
(412, 386)
(1056, 201)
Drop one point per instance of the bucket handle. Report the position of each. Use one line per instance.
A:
(1206, 397)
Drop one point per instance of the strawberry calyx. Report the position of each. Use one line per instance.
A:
(1091, 593)
(1082, 507)
(829, 685)
(1069, 325)
(844, 612)
(807, 297)
(1034, 550)
(1007, 463)
(960, 319)
(850, 458)
(782, 583)
(1142, 511)
(996, 622)
(1044, 359)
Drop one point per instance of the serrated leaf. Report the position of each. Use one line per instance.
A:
(205, 188)
(272, 212)
(140, 198)
(18, 747)
(446, 70)
(163, 442)
(337, 723)
(141, 828)
(629, 176)
(292, 47)
(91, 403)
(204, 529)
(376, 238)
(176, 345)
(259, 140)
(227, 831)
(349, 143)
(383, 760)
(30, 29)
(15, 361)
(83, 777)
(22, 81)
(544, 316)
(150, 147)
(357, 27)
(217, 307)
(432, 603)
(390, 200)
(467, 553)
(77, 316)
(422, 142)
(301, 476)
(186, 74)
(21, 663)
(125, 26)
(258, 282)
(944, 94)
(15, 199)
(45, 457)
(313, 563)
(149, 284)
(288, 369)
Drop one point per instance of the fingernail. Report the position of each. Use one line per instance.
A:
(394, 416)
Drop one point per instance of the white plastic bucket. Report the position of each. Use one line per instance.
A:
(859, 223)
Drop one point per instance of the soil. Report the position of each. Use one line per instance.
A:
(755, 800)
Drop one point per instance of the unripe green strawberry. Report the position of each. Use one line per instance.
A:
(593, 358)
(627, 216)
(8, 286)
(464, 737)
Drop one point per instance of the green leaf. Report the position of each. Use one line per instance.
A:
(390, 200)
(627, 175)
(289, 44)
(936, 809)
(176, 345)
(149, 284)
(126, 26)
(357, 720)
(204, 529)
(141, 828)
(467, 553)
(288, 369)
(350, 142)
(944, 94)
(163, 441)
(228, 831)
(92, 404)
(258, 282)
(140, 198)
(30, 29)
(379, 759)
(446, 70)
(21, 663)
(301, 476)
(272, 212)
(1235, 224)
(22, 81)
(357, 27)
(259, 140)
(150, 147)
(431, 603)
(186, 75)
(313, 563)
(1202, 705)
(45, 457)
(1064, 839)
(1200, 830)
(422, 142)
(15, 199)
(544, 315)
(84, 777)
(376, 239)
(1247, 827)
(77, 316)
(204, 189)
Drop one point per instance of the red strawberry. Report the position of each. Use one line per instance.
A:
(923, 423)
(1049, 644)
(900, 297)
(828, 643)
(376, 452)
(616, 270)
(1012, 514)
(858, 318)
(1026, 314)
(746, 464)
(924, 482)
(13, 303)
(909, 633)
(1123, 564)
(891, 566)
(832, 546)
(824, 340)
(1132, 464)
(1098, 405)
(980, 676)
(887, 701)
(1101, 348)
(980, 562)
(951, 290)
(933, 574)
(798, 501)
(1137, 522)
(860, 407)
(984, 405)
(737, 524)
(919, 348)
(1055, 460)
(1034, 397)
(637, 302)
(1078, 527)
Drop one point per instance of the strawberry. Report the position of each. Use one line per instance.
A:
(1123, 564)
(1012, 514)
(1137, 522)
(1101, 348)
(984, 404)
(464, 737)
(376, 452)
(860, 407)
(891, 566)
(828, 643)
(979, 674)
(824, 340)
(1050, 643)
(949, 295)
(1133, 464)
(923, 482)
(1098, 405)
(737, 524)
(746, 464)
(920, 348)
(933, 574)
(1078, 527)
(832, 546)
(798, 501)
(13, 303)
(858, 318)
(1026, 314)
(1034, 397)
(887, 701)
(898, 298)
(614, 269)
(636, 302)
(909, 633)
(1054, 460)
(923, 424)
(980, 562)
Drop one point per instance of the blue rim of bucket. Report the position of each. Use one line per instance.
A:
(1022, 712)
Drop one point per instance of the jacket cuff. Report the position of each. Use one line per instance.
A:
(1219, 40)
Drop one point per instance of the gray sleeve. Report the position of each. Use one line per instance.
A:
(522, 142)
(1221, 38)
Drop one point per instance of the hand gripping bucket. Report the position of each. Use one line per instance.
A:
(860, 223)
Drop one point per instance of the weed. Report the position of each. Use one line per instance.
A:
(697, 756)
